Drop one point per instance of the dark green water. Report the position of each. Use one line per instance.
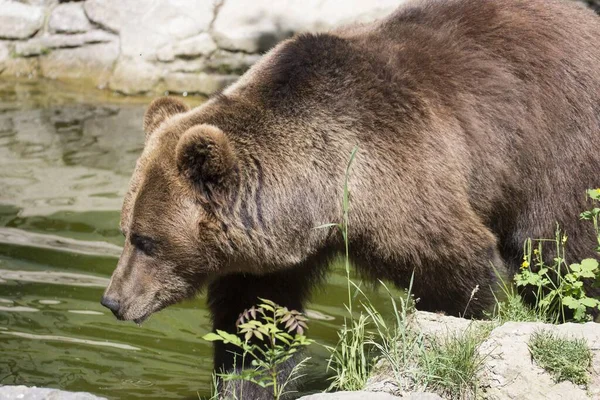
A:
(65, 162)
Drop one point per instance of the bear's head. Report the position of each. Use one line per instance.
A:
(174, 243)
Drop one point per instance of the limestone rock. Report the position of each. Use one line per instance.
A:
(440, 325)
(422, 396)
(184, 65)
(364, 395)
(134, 76)
(33, 393)
(510, 373)
(196, 46)
(350, 396)
(148, 25)
(257, 28)
(42, 44)
(114, 14)
(69, 18)
(197, 82)
(44, 3)
(92, 63)
(229, 62)
(19, 21)
(20, 67)
(4, 53)
(250, 29)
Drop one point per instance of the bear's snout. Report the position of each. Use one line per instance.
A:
(112, 305)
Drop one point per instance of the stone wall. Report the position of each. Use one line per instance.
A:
(153, 46)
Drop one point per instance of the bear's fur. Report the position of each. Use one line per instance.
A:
(477, 124)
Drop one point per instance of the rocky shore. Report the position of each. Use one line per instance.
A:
(153, 46)
(508, 370)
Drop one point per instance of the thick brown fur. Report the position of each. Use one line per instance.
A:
(477, 124)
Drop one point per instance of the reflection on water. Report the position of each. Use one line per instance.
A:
(17, 236)
(18, 309)
(65, 161)
(54, 277)
(69, 339)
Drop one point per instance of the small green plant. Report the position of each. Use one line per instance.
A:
(565, 359)
(558, 286)
(446, 364)
(271, 336)
(593, 214)
(510, 306)
(450, 365)
(395, 342)
(214, 389)
(350, 360)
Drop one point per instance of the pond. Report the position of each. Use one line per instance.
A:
(65, 160)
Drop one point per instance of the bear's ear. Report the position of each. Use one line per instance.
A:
(160, 110)
(207, 159)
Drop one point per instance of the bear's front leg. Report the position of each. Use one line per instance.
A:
(231, 295)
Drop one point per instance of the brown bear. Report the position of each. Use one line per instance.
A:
(477, 124)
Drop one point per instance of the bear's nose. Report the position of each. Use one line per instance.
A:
(111, 304)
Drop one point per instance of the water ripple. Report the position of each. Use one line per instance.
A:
(19, 237)
(54, 277)
(18, 309)
(70, 340)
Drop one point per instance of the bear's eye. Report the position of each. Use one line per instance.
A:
(143, 243)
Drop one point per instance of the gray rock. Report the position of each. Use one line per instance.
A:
(197, 82)
(69, 18)
(174, 39)
(4, 53)
(44, 3)
(114, 14)
(90, 64)
(196, 46)
(352, 396)
(364, 395)
(145, 26)
(422, 396)
(33, 393)
(184, 65)
(440, 325)
(250, 29)
(42, 44)
(134, 76)
(19, 21)
(257, 28)
(510, 373)
(20, 67)
(229, 62)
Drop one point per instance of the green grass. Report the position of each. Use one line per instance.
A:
(447, 364)
(395, 342)
(451, 365)
(565, 359)
(510, 306)
(351, 359)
